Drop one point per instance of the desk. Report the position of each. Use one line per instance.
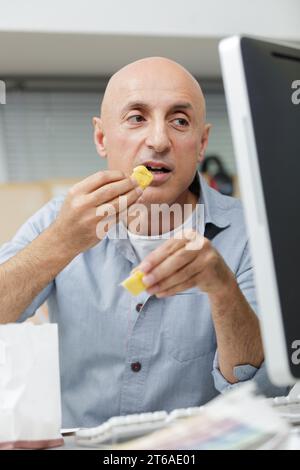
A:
(70, 444)
(292, 443)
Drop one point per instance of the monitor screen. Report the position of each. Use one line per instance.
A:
(262, 85)
(270, 72)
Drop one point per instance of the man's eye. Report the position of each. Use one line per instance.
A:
(136, 118)
(181, 122)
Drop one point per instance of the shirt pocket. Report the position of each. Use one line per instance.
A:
(188, 326)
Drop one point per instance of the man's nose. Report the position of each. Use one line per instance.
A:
(157, 138)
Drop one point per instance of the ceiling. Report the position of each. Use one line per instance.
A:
(87, 55)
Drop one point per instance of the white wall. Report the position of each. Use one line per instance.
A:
(3, 153)
(273, 18)
(97, 37)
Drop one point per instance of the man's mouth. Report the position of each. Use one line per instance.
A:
(161, 171)
(157, 167)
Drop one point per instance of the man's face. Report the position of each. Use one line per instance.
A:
(153, 117)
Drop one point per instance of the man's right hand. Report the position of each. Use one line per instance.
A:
(77, 220)
(73, 231)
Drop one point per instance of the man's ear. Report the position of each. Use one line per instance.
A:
(99, 137)
(204, 142)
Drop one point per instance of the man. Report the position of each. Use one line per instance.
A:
(194, 332)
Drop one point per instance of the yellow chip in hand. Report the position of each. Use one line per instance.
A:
(134, 283)
(143, 176)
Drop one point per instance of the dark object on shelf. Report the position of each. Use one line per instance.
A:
(217, 176)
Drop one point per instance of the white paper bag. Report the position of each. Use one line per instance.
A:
(30, 406)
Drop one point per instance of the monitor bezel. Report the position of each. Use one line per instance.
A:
(242, 129)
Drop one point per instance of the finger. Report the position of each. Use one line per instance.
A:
(175, 261)
(119, 204)
(92, 182)
(160, 254)
(182, 275)
(168, 266)
(192, 282)
(181, 239)
(111, 191)
(196, 243)
(184, 256)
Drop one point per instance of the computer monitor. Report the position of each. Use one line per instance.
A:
(262, 88)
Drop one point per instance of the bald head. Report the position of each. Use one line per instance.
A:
(152, 73)
(153, 111)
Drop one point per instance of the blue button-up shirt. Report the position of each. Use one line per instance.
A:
(103, 331)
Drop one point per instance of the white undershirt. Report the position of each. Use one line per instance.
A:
(143, 244)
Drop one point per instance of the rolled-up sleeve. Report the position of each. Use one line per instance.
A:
(32, 228)
(245, 372)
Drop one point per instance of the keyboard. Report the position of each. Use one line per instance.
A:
(123, 428)
(288, 408)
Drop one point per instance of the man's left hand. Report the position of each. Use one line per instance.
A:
(185, 262)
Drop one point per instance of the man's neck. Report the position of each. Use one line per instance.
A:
(154, 221)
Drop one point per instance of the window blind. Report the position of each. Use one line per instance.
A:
(49, 133)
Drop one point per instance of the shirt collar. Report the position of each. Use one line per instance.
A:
(214, 207)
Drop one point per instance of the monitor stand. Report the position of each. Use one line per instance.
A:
(295, 391)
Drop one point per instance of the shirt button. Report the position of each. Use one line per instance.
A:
(136, 366)
(138, 307)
